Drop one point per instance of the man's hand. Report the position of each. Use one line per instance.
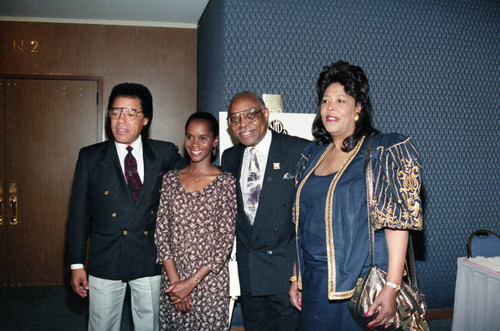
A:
(79, 282)
(295, 296)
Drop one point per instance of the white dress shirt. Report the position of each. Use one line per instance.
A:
(262, 152)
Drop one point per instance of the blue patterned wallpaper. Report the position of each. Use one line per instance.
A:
(434, 71)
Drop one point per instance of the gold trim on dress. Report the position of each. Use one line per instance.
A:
(330, 247)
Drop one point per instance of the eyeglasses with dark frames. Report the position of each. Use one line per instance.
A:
(129, 113)
(250, 115)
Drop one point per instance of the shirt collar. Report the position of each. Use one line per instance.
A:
(263, 145)
(136, 145)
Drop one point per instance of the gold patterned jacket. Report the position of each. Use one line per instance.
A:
(397, 205)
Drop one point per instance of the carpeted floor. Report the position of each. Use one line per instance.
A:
(41, 308)
(57, 308)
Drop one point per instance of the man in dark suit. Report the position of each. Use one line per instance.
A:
(264, 163)
(114, 201)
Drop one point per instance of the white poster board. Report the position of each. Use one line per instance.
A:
(294, 124)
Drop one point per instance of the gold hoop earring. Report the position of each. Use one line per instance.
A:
(356, 117)
(214, 151)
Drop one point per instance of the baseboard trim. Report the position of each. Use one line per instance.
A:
(442, 314)
(432, 315)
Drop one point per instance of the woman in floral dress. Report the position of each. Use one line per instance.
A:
(194, 235)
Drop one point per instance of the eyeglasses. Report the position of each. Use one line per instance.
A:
(250, 115)
(129, 113)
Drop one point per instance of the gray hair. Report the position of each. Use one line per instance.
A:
(254, 95)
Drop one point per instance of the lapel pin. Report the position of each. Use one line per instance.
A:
(276, 166)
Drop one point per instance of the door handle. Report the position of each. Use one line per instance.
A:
(13, 203)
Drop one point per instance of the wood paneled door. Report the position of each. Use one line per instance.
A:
(44, 120)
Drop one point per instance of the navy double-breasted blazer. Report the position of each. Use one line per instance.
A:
(266, 251)
(121, 231)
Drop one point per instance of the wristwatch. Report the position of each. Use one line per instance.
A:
(395, 286)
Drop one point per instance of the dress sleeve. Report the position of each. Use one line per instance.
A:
(163, 234)
(397, 181)
(226, 221)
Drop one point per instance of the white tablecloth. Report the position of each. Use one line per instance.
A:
(477, 294)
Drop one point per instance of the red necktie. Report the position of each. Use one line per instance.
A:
(131, 174)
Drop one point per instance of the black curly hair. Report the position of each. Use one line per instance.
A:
(355, 84)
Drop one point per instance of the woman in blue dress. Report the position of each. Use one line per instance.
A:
(330, 211)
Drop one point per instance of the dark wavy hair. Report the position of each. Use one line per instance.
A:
(355, 84)
(134, 90)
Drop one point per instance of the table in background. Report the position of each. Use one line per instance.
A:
(477, 294)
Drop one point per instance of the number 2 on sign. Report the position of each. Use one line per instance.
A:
(18, 46)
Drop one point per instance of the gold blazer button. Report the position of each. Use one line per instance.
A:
(125, 232)
(114, 214)
(145, 233)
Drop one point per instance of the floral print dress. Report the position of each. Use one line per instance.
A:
(194, 229)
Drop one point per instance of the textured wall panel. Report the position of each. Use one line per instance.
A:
(434, 71)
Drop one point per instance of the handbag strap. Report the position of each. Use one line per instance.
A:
(369, 196)
(410, 259)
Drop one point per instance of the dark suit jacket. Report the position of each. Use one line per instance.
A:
(121, 231)
(266, 251)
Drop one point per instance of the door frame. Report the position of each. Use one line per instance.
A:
(101, 119)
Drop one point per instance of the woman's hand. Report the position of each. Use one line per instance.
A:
(295, 296)
(385, 303)
(385, 307)
(184, 306)
(178, 291)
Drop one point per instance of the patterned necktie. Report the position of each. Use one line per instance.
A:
(131, 174)
(253, 186)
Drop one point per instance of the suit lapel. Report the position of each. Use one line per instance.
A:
(114, 173)
(266, 191)
(151, 171)
(239, 164)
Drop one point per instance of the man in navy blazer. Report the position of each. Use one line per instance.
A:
(266, 238)
(119, 222)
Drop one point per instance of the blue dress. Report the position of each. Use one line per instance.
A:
(332, 223)
(318, 313)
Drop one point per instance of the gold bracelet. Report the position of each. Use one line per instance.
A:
(395, 286)
(196, 279)
(293, 279)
